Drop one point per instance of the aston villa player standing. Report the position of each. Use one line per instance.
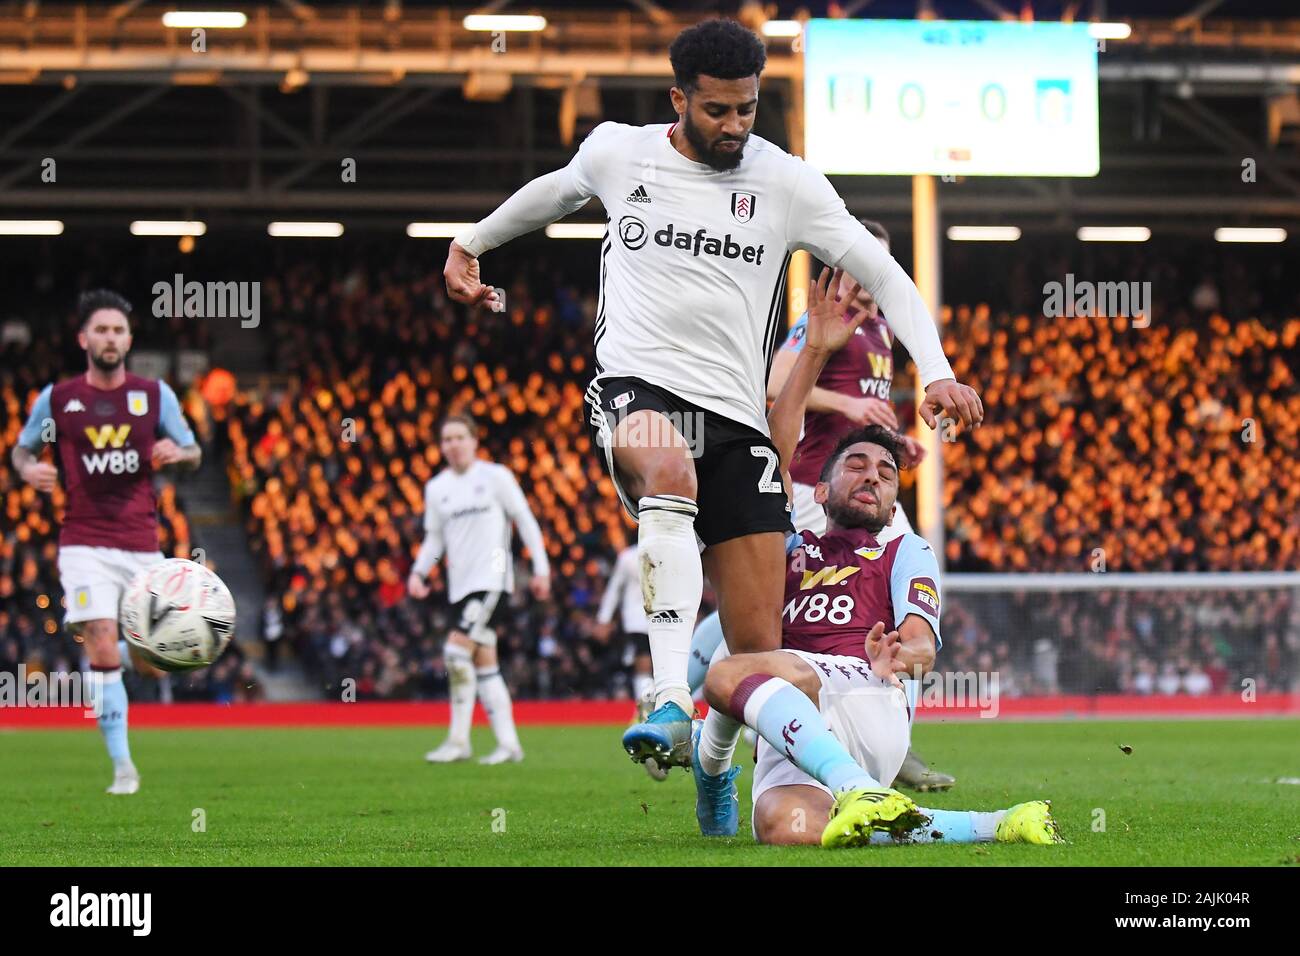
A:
(111, 431)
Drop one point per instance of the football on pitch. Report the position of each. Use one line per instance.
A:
(178, 615)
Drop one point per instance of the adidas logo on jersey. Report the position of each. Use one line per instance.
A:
(639, 195)
(74, 406)
(664, 617)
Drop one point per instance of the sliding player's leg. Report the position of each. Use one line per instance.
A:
(836, 722)
(705, 640)
(795, 814)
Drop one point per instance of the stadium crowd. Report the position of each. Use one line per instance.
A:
(331, 472)
(1109, 446)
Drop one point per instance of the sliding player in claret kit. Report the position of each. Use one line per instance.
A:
(829, 708)
(853, 390)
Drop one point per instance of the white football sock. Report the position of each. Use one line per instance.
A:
(721, 732)
(718, 741)
(642, 687)
(494, 694)
(460, 675)
(672, 584)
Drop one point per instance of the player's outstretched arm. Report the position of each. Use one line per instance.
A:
(822, 224)
(860, 411)
(537, 204)
(827, 332)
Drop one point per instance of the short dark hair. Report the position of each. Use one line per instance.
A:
(460, 418)
(876, 229)
(720, 48)
(876, 434)
(88, 303)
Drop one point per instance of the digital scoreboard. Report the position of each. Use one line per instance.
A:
(959, 97)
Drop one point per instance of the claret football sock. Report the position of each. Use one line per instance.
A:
(108, 695)
(952, 826)
(672, 583)
(785, 717)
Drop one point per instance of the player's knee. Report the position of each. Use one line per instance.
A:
(101, 643)
(778, 824)
(671, 472)
(722, 680)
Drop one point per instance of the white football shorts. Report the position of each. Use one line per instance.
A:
(869, 717)
(94, 579)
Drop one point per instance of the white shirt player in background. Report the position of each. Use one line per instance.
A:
(623, 593)
(469, 509)
(702, 218)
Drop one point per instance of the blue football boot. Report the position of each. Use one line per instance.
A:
(717, 807)
(665, 735)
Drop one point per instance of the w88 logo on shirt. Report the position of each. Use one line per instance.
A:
(116, 461)
(812, 608)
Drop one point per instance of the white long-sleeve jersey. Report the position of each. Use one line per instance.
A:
(623, 591)
(469, 514)
(693, 263)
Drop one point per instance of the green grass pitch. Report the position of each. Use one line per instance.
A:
(1202, 793)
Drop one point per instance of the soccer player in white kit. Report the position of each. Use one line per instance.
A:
(702, 217)
(469, 508)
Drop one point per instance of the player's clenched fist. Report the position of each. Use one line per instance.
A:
(463, 283)
(417, 586)
(954, 400)
(42, 476)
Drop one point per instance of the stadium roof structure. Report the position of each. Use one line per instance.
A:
(444, 122)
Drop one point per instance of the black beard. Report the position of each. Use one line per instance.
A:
(715, 159)
(110, 366)
(845, 517)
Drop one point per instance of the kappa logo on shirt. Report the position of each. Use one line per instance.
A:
(74, 406)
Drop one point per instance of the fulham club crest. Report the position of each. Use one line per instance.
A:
(742, 206)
